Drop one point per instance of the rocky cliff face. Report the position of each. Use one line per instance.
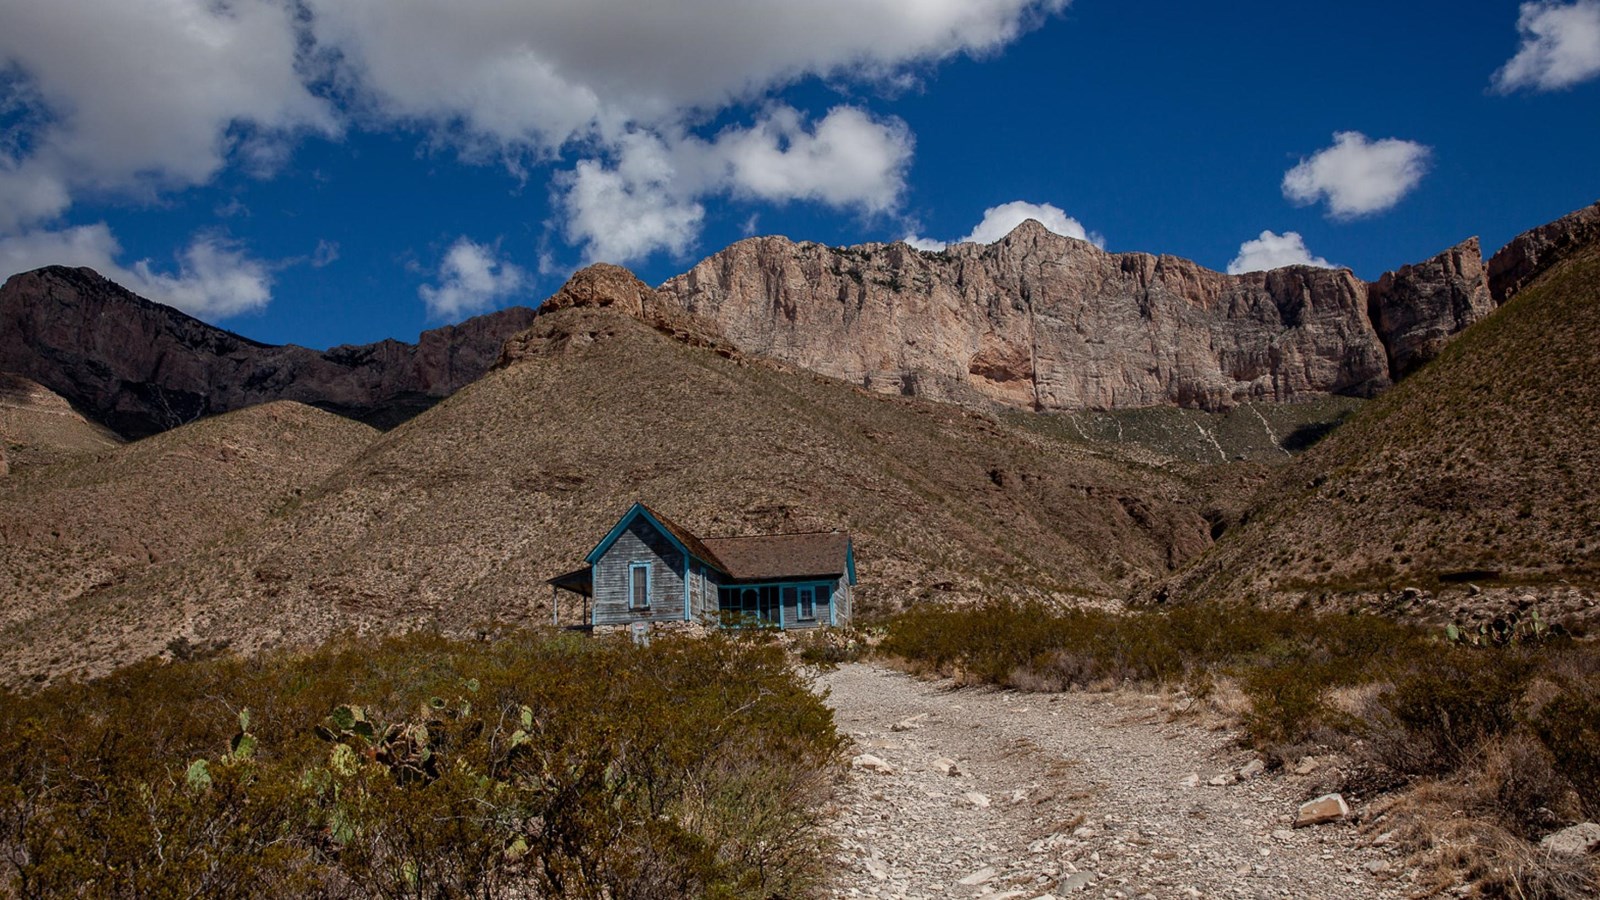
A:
(140, 367)
(1419, 308)
(1534, 252)
(1046, 322)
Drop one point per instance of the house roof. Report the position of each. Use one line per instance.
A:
(763, 556)
(696, 547)
(756, 557)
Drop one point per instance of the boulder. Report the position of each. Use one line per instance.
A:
(1324, 809)
(1579, 840)
(870, 763)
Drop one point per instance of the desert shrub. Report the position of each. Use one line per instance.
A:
(1569, 726)
(828, 647)
(421, 766)
(1440, 712)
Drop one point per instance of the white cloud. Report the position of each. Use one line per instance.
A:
(649, 197)
(137, 97)
(1274, 251)
(628, 83)
(848, 160)
(999, 221)
(1356, 176)
(1560, 47)
(213, 279)
(541, 73)
(472, 279)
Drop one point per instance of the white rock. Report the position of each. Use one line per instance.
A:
(1223, 780)
(1251, 769)
(1575, 841)
(1191, 780)
(1327, 808)
(947, 766)
(909, 723)
(872, 764)
(987, 873)
(1306, 765)
(981, 801)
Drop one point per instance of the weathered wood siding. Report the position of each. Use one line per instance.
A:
(640, 542)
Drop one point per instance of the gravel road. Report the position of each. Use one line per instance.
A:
(1077, 794)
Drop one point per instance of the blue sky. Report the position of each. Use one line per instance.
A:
(340, 171)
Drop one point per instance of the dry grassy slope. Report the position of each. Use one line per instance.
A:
(39, 427)
(1483, 462)
(95, 520)
(457, 517)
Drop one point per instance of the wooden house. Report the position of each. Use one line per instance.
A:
(649, 569)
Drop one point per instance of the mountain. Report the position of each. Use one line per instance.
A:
(1477, 470)
(455, 518)
(1045, 322)
(140, 367)
(39, 427)
(85, 525)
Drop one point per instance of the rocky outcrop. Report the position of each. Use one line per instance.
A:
(1419, 308)
(1532, 253)
(607, 286)
(1042, 321)
(140, 367)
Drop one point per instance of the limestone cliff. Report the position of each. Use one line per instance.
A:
(1417, 309)
(1535, 251)
(1041, 321)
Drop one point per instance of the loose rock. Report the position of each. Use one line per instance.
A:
(1327, 808)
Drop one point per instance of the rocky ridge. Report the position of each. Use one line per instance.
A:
(1537, 250)
(1045, 322)
(140, 367)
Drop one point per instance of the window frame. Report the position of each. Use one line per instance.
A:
(633, 569)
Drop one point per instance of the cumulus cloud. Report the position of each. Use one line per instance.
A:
(648, 196)
(213, 278)
(999, 221)
(545, 72)
(1357, 176)
(1274, 251)
(627, 84)
(138, 97)
(1560, 47)
(472, 278)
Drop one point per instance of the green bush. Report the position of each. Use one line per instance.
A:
(532, 764)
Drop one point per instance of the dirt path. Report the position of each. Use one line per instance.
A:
(1071, 795)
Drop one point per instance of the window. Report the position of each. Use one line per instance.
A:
(639, 585)
(808, 603)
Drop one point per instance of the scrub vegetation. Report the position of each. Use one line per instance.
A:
(1483, 742)
(534, 764)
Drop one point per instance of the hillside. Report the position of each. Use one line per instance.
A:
(140, 367)
(456, 518)
(1479, 470)
(39, 427)
(92, 522)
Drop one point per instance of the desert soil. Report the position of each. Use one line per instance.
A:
(1075, 794)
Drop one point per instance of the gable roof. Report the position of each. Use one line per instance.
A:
(754, 557)
(763, 556)
(693, 545)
